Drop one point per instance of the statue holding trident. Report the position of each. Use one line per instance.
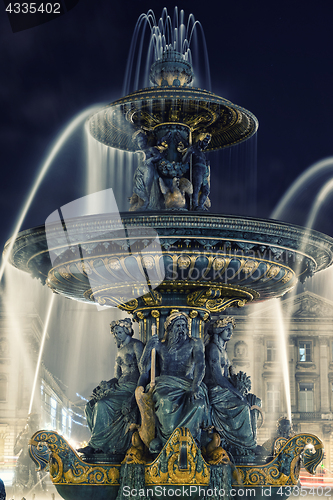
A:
(179, 397)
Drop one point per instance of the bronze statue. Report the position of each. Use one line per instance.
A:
(200, 173)
(232, 412)
(26, 476)
(146, 192)
(113, 408)
(174, 196)
(179, 397)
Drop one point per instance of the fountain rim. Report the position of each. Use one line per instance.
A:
(157, 218)
(185, 94)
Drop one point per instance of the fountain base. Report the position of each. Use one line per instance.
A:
(181, 467)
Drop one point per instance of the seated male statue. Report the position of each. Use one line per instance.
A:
(180, 398)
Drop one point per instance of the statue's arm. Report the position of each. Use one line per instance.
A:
(199, 366)
(145, 361)
(216, 366)
(186, 156)
(116, 375)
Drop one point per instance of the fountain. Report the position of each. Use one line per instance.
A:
(171, 264)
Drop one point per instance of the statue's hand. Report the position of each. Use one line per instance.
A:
(112, 382)
(128, 405)
(195, 394)
(153, 342)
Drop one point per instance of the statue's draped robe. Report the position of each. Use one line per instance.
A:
(107, 423)
(232, 417)
(173, 407)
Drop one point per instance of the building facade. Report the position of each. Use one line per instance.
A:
(287, 348)
(20, 339)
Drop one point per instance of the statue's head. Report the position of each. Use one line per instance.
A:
(223, 327)
(33, 420)
(141, 139)
(204, 141)
(121, 329)
(176, 328)
(284, 427)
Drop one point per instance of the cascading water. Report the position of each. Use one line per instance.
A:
(320, 283)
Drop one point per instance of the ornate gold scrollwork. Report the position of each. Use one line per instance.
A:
(166, 468)
(66, 467)
(285, 466)
(153, 298)
(217, 299)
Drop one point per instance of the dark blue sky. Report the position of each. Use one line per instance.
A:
(273, 58)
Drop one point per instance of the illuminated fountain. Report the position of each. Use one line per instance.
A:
(169, 258)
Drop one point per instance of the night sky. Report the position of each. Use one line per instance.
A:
(272, 58)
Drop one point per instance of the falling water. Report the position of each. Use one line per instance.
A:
(304, 179)
(284, 356)
(41, 349)
(59, 143)
(290, 196)
(109, 168)
(165, 32)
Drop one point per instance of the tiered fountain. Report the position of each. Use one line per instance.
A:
(169, 255)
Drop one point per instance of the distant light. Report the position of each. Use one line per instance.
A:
(7, 476)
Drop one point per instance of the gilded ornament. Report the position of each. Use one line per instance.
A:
(154, 298)
(114, 264)
(184, 261)
(193, 314)
(249, 266)
(155, 313)
(287, 277)
(148, 261)
(273, 271)
(165, 469)
(218, 263)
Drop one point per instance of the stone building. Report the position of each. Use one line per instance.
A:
(20, 338)
(287, 348)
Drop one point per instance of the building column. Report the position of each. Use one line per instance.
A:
(292, 367)
(323, 370)
(259, 358)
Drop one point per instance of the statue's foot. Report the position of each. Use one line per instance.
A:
(155, 446)
(87, 450)
(260, 451)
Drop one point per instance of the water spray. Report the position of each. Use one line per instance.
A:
(41, 348)
(60, 141)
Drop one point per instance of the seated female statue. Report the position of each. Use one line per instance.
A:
(232, 414)
(113, 407)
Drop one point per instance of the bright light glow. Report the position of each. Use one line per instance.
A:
(63, 137)
(320, 198)
(284, 354)
(41, 348)
(319, 167)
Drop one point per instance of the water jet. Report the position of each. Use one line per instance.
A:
(174, 267)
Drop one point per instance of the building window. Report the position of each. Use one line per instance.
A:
(3, 388)
(64, 421)
(304, 349)
(306, 397)
(271, 350)
(53, 404)
(273, 397)
(69, 426)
